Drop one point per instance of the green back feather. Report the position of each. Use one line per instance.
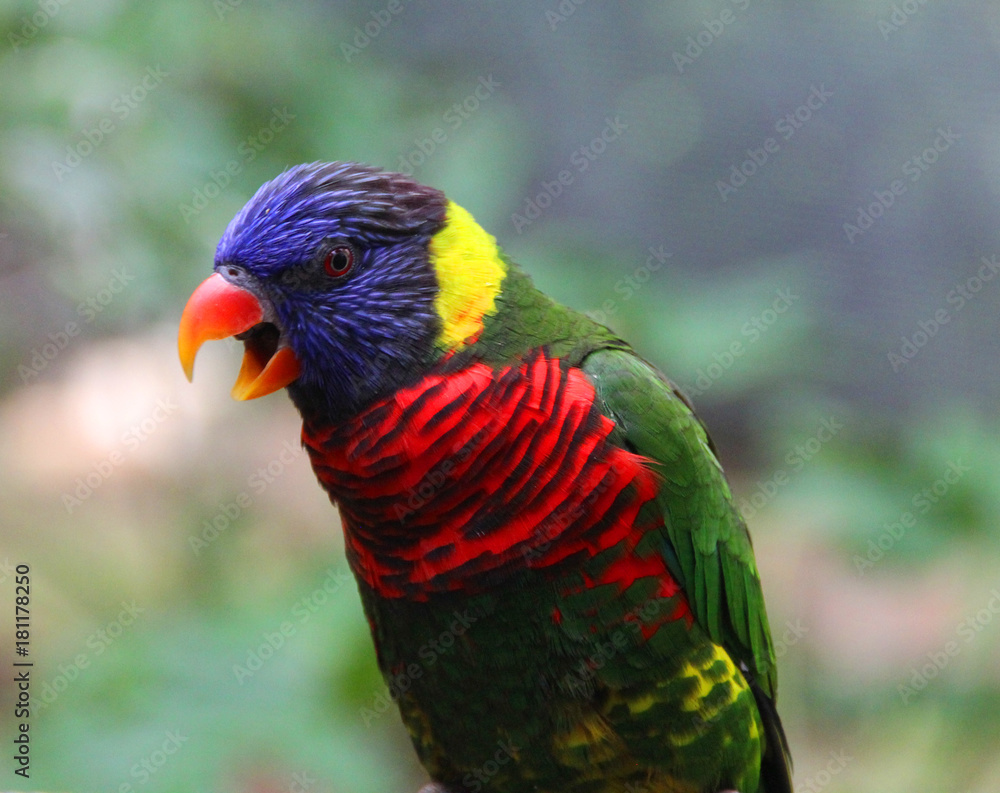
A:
(704, 532)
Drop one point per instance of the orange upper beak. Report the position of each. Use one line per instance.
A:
(218, 309)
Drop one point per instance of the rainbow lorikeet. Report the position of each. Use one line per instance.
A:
(561, 593)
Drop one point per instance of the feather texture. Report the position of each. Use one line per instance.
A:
(562, 595)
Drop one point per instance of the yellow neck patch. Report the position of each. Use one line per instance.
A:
(469, 273)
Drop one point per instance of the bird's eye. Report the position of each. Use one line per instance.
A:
(338, 261)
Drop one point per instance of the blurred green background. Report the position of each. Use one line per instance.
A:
(790, 207)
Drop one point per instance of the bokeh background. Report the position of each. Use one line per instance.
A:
(790, 207)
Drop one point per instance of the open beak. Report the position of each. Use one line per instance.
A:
(218, 309)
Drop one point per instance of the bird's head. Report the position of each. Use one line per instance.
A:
(343, 282)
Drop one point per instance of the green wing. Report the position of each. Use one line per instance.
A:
(707, 543)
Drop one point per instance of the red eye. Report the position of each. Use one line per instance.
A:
(338, 261)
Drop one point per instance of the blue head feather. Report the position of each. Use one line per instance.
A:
(362, 335)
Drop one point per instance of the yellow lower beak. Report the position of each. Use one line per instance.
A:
(218, 309)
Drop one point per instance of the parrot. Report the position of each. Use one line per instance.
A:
(561, 592)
